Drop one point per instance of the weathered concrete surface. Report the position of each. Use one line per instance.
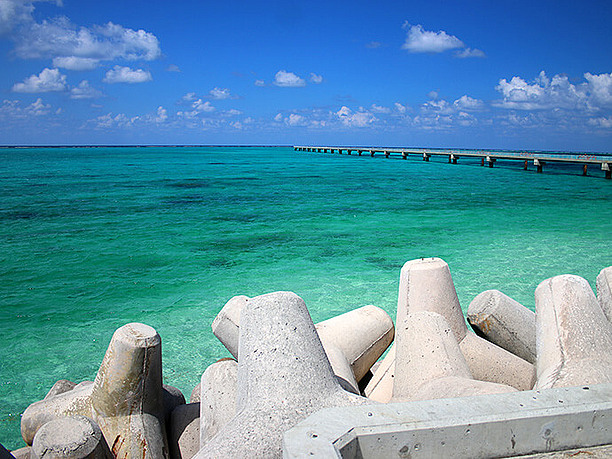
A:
(184, 431)
(72, 437)
(283, 376)
(432, 365)
(504, 322)
(341, 368)
(21, 453)
(172, 397)
(125, 400)
(595, 452)
(362, 335)
(494, 425)
(574, 338)
(380, 387)
(604, 291)
(61, 386)
(195, 394)
(217, 397)
(226, 325)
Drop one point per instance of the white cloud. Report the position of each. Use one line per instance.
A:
(600, 87)
(278, 118)
(60, 38)
(199, 106)
(16, 12)
(544, 93)
(173, 68)
(295, 120)
(84, 91)
(48, 80)
(110, 121)
(399, 107)
(440, 106)
(12, 109)
(75, 63)
(354, 119)
(316, 79)
(220, 93)
(119, 74)
(162, 115)
(38, 108)
(419, 40)
(260, 83)
(469, 52)
(189, 97)
(233, 112)
(288, 80)
(380, 109)
(468, 103)
(601, 122)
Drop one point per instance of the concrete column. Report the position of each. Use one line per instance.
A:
(372, 153)
(606, 167)
(70, 437)
(283, 377)
(574, 338)
(450, 158)
(349, 152)
(404, 155)
(604, 291)
(504, 322)
(217, 398)
(482, 161)
(387, 153)
(430, 363)
(539, 165)
(525, 165)
(359, 152)
(426, 157)
(491, 161)
(585, 169)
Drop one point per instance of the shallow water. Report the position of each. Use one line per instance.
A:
(91, 239)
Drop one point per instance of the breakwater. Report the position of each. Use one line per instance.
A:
(288, 368)
(528, 159)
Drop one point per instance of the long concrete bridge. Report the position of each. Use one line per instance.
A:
(488, 157)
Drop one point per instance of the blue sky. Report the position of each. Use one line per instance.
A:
(472, 74)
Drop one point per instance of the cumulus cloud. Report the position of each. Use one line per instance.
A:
(220, 93)
(80, 48)
(399, 107)
(601, 122)
(260, 83)
(316, 79)
(47, 81)
(354, 119)
(468, 103)
(600, 87)
(199, 106)
(380, 109)
(75, 63)
(84, 91)
(419, 40)
(544, 93)
(13, 110)
(173, 68)
(161, 115)
(119, 74)
(288, 80)
(38, 108)
(16, 12)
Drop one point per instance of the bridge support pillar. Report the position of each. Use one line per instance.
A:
(606, 167)
(359, 152)
(372, 153)
(491, 161)
(387, 154)
(404, 155)
(585, 169)
(539, 165)
(425, 157)
(525, 165)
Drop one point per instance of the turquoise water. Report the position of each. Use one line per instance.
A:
(91, 239)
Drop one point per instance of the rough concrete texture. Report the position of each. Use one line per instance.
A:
(604, 291)
(217, 397)
(184, 431)
(125, 400)
(227, 323)
(61, 386)
(195, 394)
(74, 437)
(341, 368)
(426, 285)
(21, 453)
(380, 387)
(432, 365)
(505, 322)
(283, 376)
(596, 452)
(362, 334)
(574, 338)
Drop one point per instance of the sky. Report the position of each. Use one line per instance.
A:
(456, 74)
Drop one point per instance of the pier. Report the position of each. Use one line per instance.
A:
(487, 157)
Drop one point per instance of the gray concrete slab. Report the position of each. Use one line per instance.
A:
(604, 291)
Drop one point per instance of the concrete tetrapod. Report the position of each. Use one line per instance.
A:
(283, 376)
(574, 339)
(218, 397)
(362, 335)
(505, 322)
(604, 291)
(125, 399)
(429, 363)
(426, 285)
(71, 437)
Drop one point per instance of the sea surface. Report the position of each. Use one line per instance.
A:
(94, 238)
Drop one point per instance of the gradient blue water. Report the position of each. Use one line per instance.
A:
(91, 239)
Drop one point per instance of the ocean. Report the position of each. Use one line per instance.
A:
(94, 238)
